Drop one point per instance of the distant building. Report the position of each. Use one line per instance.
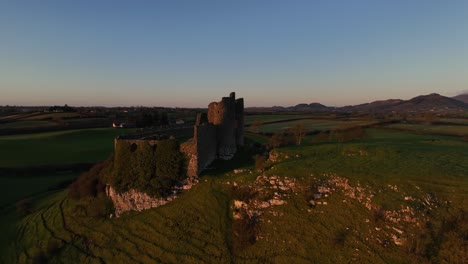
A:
(122, 125)
(179, 122)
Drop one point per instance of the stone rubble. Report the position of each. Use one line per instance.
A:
(273, 189)
(400, 218)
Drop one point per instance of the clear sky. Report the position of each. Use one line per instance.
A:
(188, 53)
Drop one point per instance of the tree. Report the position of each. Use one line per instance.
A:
(299, 133)
(278, 139)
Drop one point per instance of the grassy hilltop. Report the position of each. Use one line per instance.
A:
(392, 196)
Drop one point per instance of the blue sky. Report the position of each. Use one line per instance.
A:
(188, 53)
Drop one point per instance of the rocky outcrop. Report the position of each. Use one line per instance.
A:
(133, 200)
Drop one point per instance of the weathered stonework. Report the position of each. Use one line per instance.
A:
(216, 134)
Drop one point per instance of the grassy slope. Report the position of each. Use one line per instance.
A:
(16, 188)
(197, 226)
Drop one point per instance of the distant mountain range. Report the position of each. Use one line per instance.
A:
(462, 97)
(423, 103)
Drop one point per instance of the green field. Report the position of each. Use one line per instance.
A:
(27, 124)
(312, 125)
(398, 172)
(48, 116)
(17, 188)
(462, 121)
(272, 118)
(456, 130)
(58, 148)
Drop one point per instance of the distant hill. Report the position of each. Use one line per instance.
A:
(423, 103)
(376, 106)
(462, 97)
(431, 102)
(309, 107)
(313, 107)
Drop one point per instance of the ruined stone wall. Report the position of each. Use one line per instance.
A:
(223, 115)
(205, 136)
(216, 112)
(160, 133)
(189, 148)
(202, 148)
(217, 134)
(137, 142)
(240, 121)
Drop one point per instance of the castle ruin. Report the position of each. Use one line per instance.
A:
(216, 134)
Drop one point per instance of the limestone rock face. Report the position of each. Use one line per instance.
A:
(133, 200)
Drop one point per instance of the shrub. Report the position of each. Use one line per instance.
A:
(323, 136)
(24, 207)
(260, 163)
(39, 258)
(53, 246)
(256, 125)
(280, 138)
(299, 132)
(343, 134)
(379, 215)
(150, 169)
(91, 183)
(245, 231)
(101, 206)
(243, 193)
(340, 236)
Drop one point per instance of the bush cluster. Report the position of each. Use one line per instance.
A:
(243, 193)
(279, 139)
(24, 207)
(260, 163)
(444, 241)
(91, 183)
(341, 135)
(153, 169)
(245, 232)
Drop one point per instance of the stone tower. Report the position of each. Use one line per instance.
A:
(228, 116)
(217, 134)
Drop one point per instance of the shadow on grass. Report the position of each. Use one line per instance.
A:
(243, 158)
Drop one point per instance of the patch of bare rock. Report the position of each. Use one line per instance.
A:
(133, 200)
